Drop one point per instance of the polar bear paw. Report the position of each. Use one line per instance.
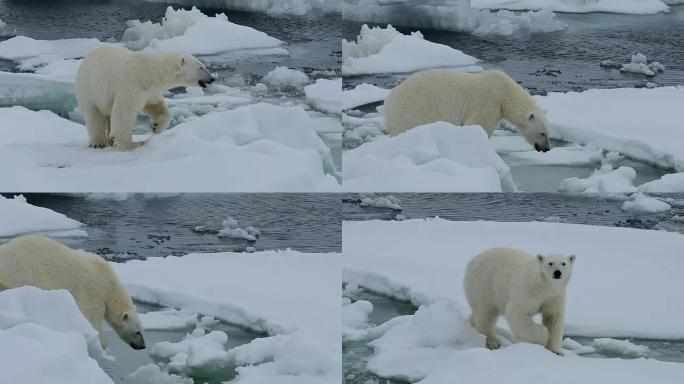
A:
(493, 343)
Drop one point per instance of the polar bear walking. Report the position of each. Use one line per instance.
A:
(46, 264)
(114, 85)
(509, 282)
(483, 99)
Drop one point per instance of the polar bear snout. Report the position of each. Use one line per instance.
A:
(542, 148)
(139, 343)
(557, 274)
(205, 78)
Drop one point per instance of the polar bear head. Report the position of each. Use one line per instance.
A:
(535, 128)
(127, 326)
(191, 72)
(556, 267)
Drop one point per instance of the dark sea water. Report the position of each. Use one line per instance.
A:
(141, 226)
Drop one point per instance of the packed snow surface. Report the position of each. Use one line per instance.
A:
(325, 95)
(615, 120)
(362, 94)
(17, 217)
(386, 50)
(437, 157)
(44, 339)
(292, 296)
(40, 151)
(193, 32)
(640, 7)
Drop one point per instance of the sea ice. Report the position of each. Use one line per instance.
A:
(282, 76)
(362, 94)
(639, 64)
(20, 217)
(232, 230)
(168, 319)
(641, 203)
(386, 201)
(639, 7)
(325, 95)
(605, 180)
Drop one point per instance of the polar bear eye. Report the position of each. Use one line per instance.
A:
(564, 264)
(550, 263)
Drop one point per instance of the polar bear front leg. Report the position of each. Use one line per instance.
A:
(124, 113)
(524, 328)
(553, 314)
(159, 114)
(98, 125)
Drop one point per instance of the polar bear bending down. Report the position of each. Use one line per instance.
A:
(114, 85)
(509, 282)
(47, 264)
(483, 99)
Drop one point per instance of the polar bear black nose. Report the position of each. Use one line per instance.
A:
(556, 274)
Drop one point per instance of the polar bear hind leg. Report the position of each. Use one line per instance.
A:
(98, 127)
(485, 323)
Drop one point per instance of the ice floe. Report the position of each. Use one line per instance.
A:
(282, 76)
(20, 217)
(274, 7)
(605, 180)
(641, 203)
(436, 157)
(645, 7)
(168, 319)
(640, 65)
(362, 94)
(44, 152)
(386, 50)
(232, 230)
(670, 183)
(325, 95)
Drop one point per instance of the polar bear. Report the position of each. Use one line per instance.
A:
(483, 99)
(510, 282)
(47, 264)
(114, 85)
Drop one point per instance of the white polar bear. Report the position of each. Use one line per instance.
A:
(509, 282)
(46, 264)
(483, 99)
(114, 85)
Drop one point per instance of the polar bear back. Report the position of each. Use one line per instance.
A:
(100, 75)
(454, 97)
(491, 277)
(49, 265)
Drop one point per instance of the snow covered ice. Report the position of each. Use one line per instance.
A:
(325, 95)
(20, 217)
(436, 344)
(436, 157)
(282, 76)
(232, 230)
(639, 7)
(362, 94)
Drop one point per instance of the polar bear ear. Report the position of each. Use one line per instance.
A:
(572, 258)
(540, 258)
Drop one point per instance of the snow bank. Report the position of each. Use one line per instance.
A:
(168, 319)
(614, 120)
(39, 151)
(282, 76)
(385, 50)
(436, 157)
(274, 7)
(19, 217)
(362, 94)
(641, 203)
(670, 183)
(604, 180)
(22, 47)
(195, 33)
(293, 296)
(455, 15)
(639, 7)
(44, 339)
(232, 230)
(325, 95)
(611, 267)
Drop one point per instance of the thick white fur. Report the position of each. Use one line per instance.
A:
(509, 282)
(114, 85)
(483, 99)
(46, 264)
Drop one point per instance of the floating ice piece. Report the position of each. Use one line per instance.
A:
(437, 157)
(36, 91)
(641, 203)
(152, 374)
(325, 95)
(6, 30)
(22, 47)
(40, 151)
(385, 50)
(230, 229)
(169, 319)
(20, 217)
(605, 180)
(576, 347)
(387, 201)
(638, 308)
(638, 7)
(362, 94)
(195, 33)
(198, 351)
(574, 155)
(614, 120)
(670, 183)
(274, 7)
(620, 347)
(355, 318)
(283, 76)
(639, 64)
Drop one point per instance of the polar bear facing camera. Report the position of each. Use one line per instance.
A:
(114, 85)
(517, 285)
(483, 99)
(46, 264)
